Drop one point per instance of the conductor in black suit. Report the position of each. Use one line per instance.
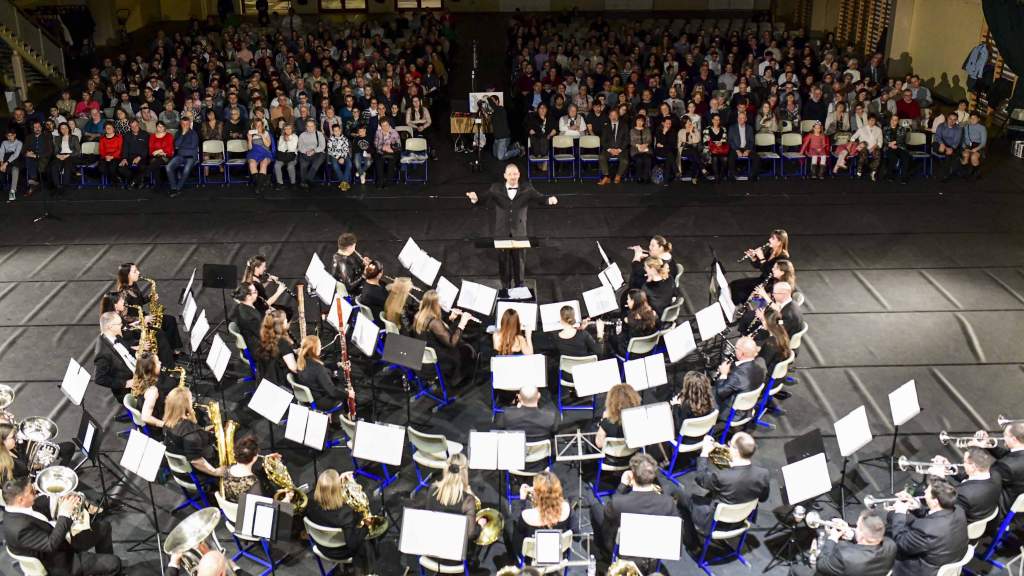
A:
(113, 361)
(741, 482)
(746, 374)
(869, 554)
(1008, 471)
(29, 533)
(511, 201)
(247, 317)
(923, 544)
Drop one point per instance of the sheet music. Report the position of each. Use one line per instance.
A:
(904, 403)
(218, 357)
(90, 433)
(806, 479)
(853, 432)
(710, 322)
(188, 287)
(600, 300)
(497, 450)
(519, 293)
(527, 313)
(365, 334)
(551, 314)
(270, 401)
(199, 331)
(483, 450)
(648, 424)
(76, 380)
(723, 284)
(346, 310)
(252, 502)
(188, 312)
(426, 268)
(316, 430)
(649, 536)
(434, 534)
(142, 455)
(611, 277)
(382, 443)
(477, 297)
(320, 280)
(603, 255)
(514, 372)
(263, 521)
(679, 342)
(595, 377)
(646, 372)
(548, 544)
(306, 426)
(725, 299)
(133, 450)
(446, 293)
(410, 252)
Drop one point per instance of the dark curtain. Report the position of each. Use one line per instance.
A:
(1006, 21)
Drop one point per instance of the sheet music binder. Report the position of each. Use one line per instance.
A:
(512, 244)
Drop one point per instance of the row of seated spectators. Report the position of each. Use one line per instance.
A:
(571, 77)
(226, 82)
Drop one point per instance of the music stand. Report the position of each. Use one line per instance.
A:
(75, 382)
(433, 534)
(498, 450)
(271, 402)
(221, 276)
(805, 478)
(650, 536)
(143, 457)
(381, 443)
(852, 434)
(577, 448)
(904, 405)
(407, 354)
(648, 424)
(266, 519)
(596, 377)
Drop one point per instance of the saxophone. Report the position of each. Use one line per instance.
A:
(355, 498)
(278, 474)
(147, 335)
(156, 309)
(224, 434)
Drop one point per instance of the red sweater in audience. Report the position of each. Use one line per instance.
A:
(111, 146)
(166, 144)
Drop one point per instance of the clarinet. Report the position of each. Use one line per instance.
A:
(346, 366)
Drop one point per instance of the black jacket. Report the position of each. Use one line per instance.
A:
(742, 378)
(1008, 471)
(317, 378)
(792, 320)
(135, 146)
(538, 423)
(30, 536)
(249, 320)
(615, 138)
(110, 371)
(924, 544)
(844, 558)
(625, 500)
(42, 145)
(510, 215)
(978, 498)
(727, 486)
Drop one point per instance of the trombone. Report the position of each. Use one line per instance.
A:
(887, 504)
(965, 441)
(922, 467)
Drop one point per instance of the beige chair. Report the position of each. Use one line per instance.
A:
(797, 339)
(613, 448)
(191, 488)
(743, 402)
(728, 514)
(323, 536)
(955, 568)
(565, 366)
(691, 428)
(432, 451)
(29, 566)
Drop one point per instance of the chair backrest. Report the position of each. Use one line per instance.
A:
(90, 148)
(976, 529)
(699, 426)
(733, 513)
(29, 565)
(807, 125)
(404, 132)
(916, 139)
(671, 313)
(590, 142)
(213, 147)
(230, 509)
(798, 298)
(429, 355)
(747, 400)
(433, 444)
(1018, 505)
(764, 139)
(791, 139)
(797, 339)
(130, 402)
(537, 451)
(643, 344)
(323, 535)
(416, 145)
(617, 448)
(954, 568)
(302, 393)
(237, 146)
(1017, 114)
(347, 426)
(239, 340)
(389, 326)
(530, 544)
(178, 463)
(779, 372)
(561, 141)
(566, 363)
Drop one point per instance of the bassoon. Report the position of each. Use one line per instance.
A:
(346, 366)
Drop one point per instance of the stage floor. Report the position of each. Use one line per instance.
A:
(923, 282)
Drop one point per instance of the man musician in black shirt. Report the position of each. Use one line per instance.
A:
(511, 201)
(870, 553)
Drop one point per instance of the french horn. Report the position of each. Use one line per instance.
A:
(491, 531)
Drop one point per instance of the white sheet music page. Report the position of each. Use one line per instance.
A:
(199, 331)
(218, 357)
(188, 287)
(807, 478)
(426, 268)
(365, 334)
(410, 252)
(853, 432)
(76, 380)
(434, 534)
(646, 372)
(382, 443)
(595, 377)
(270, 401)
(263, 521)
(611, 276)
(446, 293)
(725, 299)
(551, 314)
(133, 451)
(723, 284)
(649, 536)
(295, 429)
(904, 403)
(514, 372)
(316, 430)
(600, 300)
(477, 297)
(152, 460)
(188, 311)
(604, 256)
(519, 293)
(648, 424)
(483, 450)
(710, 321)
(679, 342)
(527, 313)
(511, 450)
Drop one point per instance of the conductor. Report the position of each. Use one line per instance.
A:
(511, 201)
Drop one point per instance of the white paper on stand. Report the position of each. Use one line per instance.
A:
(199, 331)
(320, 280)
(604, 256)
(710, 322)
(188, 311)
(548, 545)
(551, 314)
(263, 521)
(646, 372)
(904, 403)
(435, 534)
(365, 334)
(649, 536)
(143, 456)
(679, 342)
(611, 277)
(188, 287)
(346, 311)
(513, 372)
(270, 401)
(76, 380)
(725, 299)
(497, 450)
(426, 268)
(806, 479)
(600, 300)
(305, 426)
(853, 432)
(477, 297)
(381, 443)
(648, 424)
(410, 252)
(595, 377)
(527, 313)
(252, 503)
(218, 357)
(446, 293)
(723, 284)
(519, 293)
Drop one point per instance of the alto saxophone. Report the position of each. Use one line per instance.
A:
(147, 334)
(156, 309)
(278, 474)
(355, 498)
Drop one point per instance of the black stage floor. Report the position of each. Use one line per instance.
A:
(921, 282)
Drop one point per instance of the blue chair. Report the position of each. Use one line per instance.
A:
(1017, 506)
(431, 451)
(588, 153)
(790, 152)
(764, 147)
(193, 489)
(776, 382)
(91, 149)
(230, 512)
(743, 402)
(744, 513)
(563, 152)
(694, 428)
(430, 360)
(414, 153)
(216, 148)
(532, 159)
(616, 448)
(565, 366)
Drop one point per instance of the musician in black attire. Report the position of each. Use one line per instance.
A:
(792, 320)
(247, 318)
(1008, 471)
(314, 375)
(452, 494)
(869, 554)
(274, 356)
(454, 355)
(373, 295)
(185, 437)
(640, 320)
(778, 249)
(925, 543)
(113, 361)
(635, 494)
(541, 506)
(977, 492)
(511, 202)
(746, 374)
(527, 415)
(653, 275)
(693, 400)
(256, 274)
(327, 507)
(741, 482)
(29, 533)
(141, 294)
(347, 265)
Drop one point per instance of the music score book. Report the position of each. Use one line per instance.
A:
(710, 321)
(202, 326)
(188, 311)
(364, 336)
(376, 442)
(218, 357)
(305, 426)
(725, 299)
(595, 377)
(551, 314)
(527, 313)
(600, 300)
(611, 277)
(511, 244)
(513, 372)
(646, 372)
(904, 403)
(142, 455)
(270, 401)
(497, 450)
(434, 534)
(446, 293)
(188, 286)
(650, 536)
(679, 342)
(320, 280)
(648, 424)
(477, 297)
(76, 381)
(418, 262)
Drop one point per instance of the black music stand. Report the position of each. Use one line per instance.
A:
(407, 354)
(89, 441)
(222, 276)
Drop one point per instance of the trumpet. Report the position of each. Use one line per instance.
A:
(764, 248)
(887, 504)
(965, 441)
(814, 520)
(1003, 421)
(922, 467)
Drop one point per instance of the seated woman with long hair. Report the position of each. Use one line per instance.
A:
(693, 400)
(452, 353)
(453, 495)
(400, 307)
(314, 375)
(13, 464)
(275, 357)
(653, 275)
(146, 387)
(772, 337)
(329, 509)
(246, 475)
(619, 397)
(510, 337)
(640, 321)
(185, 437)
(782, 271)
(542, 506)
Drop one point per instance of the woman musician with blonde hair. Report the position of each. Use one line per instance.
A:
(452, 494)
(314, 375)
(185, 437)
(328, 508)
(452, 352)
(400, 307)
(13, 463)
(653, 276)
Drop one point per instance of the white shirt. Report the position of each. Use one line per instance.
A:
(28, 512)
(511, 191)
(65, 145)
(870, 135)
(742, 129)
(126, 357)
(285, 144)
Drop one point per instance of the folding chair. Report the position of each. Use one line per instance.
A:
(213, 147)
(230, 513)
(563, 151)
(917, 146)
(691, 428)
(764, 147)
(431, 451)
(538, 451)
(565, 365)
(776, 382)
(743, 402)
(728, 514)
(232, 161)
(532, 159)
(414, 153)
(330, 538)
(616, 448)
(1016, 507)
(191, 488)
(91, 149)
(589, 153)
(790, 150)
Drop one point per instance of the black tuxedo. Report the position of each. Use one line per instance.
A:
(725, 486)
(792, 320)
(742, 378)
(110, 371)
(924, 544)
(845, 558)
(978, 498)
(248, 319)
(606, 519)
(510, 219)
(29, 536)
(614, 137)
(1008, 472)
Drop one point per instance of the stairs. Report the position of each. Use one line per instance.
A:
(42, 57)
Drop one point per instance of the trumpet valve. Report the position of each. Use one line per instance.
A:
(870, 501)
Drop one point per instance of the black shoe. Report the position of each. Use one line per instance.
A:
(174, 193)
(782, 395)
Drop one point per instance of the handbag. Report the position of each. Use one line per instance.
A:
(286, 157)
(718, 148)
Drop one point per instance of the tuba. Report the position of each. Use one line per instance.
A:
(491, 531)
(355, 498)
(38, 433)
(278, 474)
(56, 481)
(193, 537)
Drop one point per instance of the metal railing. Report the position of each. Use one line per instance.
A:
(33, 35)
